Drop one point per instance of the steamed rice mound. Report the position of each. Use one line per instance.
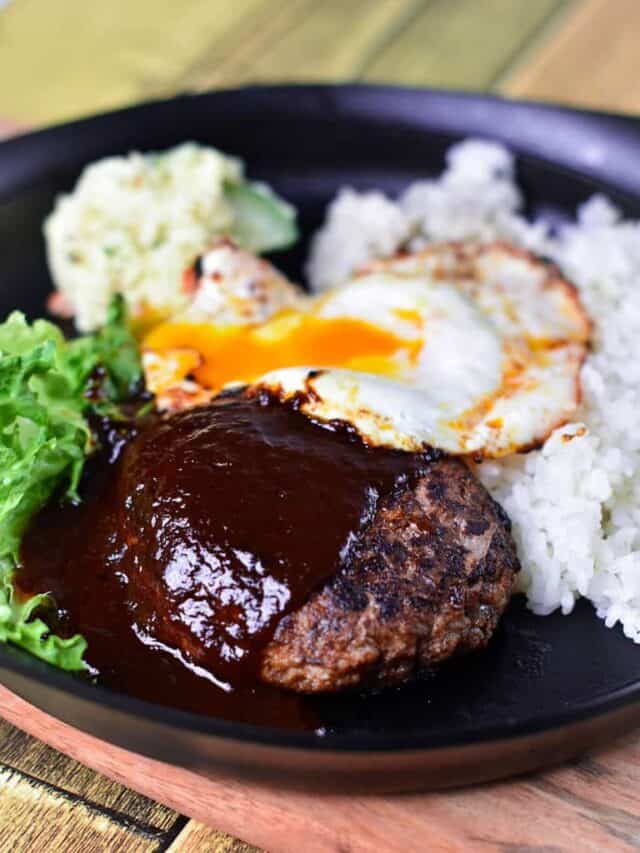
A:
(575, 503)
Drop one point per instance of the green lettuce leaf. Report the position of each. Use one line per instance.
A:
(19, 626)
(114, 349)
(44, 440)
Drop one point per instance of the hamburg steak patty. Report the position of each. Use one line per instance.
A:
(263, 547)
(429, 576)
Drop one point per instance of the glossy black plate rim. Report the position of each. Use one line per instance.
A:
(482, 115)
(21, 663)
(449, 112)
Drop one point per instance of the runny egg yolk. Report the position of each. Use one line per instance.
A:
(290, 339)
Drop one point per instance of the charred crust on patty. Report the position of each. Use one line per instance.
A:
(430, 576)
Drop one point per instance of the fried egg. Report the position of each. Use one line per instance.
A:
(230, 286)
(472, 349)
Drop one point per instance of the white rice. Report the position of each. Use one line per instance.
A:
(575, 503)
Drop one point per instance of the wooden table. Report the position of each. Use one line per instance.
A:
(59, 60)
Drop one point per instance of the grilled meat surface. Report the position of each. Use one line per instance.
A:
(261, 547)
(429, 578)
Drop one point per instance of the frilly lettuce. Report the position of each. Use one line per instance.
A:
(44, 439)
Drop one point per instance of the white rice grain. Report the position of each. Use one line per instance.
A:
(575, 503)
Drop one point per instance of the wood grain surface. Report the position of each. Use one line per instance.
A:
(59, 60)
(594, 801)
(464, 44)
(592, 61)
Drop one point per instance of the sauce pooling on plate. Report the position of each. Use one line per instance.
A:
(195, 541)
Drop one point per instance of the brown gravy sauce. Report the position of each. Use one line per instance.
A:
(196, 535)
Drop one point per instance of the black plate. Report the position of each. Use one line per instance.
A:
(546, 687)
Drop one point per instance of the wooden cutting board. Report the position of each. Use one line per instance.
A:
(593, 803)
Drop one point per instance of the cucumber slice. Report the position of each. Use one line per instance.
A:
(262, 221)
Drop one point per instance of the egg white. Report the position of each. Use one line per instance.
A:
(501, 341)
(237, 288)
